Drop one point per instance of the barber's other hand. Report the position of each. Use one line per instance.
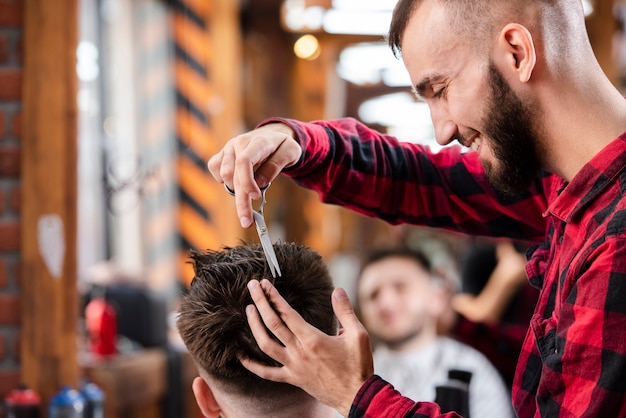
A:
(329, 368)
(252, 160)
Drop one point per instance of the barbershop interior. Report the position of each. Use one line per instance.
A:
(109, 112)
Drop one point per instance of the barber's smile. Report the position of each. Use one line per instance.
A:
(476, 143)
(472, 142)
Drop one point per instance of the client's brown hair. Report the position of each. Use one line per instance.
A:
(212, 320)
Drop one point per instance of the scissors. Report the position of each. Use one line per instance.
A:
(261, 229)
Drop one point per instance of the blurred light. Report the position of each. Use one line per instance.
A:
(396, 76)
(299, 18)
(372, 63)
(313, 17)
(87, 61)
(307, 47)
(357, 22)
(406, 119)
(364, 4)
(396, 109)
(294, 19)
(587, 7)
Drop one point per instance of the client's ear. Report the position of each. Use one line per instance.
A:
(205, 399)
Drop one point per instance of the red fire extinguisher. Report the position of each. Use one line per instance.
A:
(100, 321)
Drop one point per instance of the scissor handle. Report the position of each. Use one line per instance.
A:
(263, 190)
(232, 192)
(229, 190)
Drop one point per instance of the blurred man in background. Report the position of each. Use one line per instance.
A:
(400, 301)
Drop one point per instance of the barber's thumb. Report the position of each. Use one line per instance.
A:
(342, 307)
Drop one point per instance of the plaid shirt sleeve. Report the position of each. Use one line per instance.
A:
(376, 175)
(377, 398)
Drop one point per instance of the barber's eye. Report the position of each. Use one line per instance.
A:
(439, 93)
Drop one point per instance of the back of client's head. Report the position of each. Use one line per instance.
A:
(212, 320)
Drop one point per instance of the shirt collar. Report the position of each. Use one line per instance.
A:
(590, 180)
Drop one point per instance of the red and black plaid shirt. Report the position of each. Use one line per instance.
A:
(573, 361)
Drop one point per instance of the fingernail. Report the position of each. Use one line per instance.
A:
(249, 310)
(245, 221)
(253, 285)
(340, 294)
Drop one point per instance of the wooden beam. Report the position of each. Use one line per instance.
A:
(49, 299)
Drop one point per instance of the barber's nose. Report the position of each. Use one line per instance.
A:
(445, 129)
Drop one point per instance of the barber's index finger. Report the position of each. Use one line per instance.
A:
(271, 318)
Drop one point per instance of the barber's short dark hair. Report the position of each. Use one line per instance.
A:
(212, 320)
(399, 20)
(471, 19)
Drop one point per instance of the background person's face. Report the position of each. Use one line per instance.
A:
(396, 299)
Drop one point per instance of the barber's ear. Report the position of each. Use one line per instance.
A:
(205, 399)
(517, 46)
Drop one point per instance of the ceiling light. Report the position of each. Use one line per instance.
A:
(357, 22)
(307, 47)
(364, 4)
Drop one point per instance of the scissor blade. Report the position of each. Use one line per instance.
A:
(268, 256)
(266, 243)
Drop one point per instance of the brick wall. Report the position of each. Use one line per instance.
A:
(11, 20)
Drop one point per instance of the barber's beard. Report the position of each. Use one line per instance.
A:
(510, 131)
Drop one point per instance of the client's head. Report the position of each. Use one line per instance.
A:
(212, 323)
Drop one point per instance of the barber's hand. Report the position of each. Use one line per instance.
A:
(252, 160)
(329, 368)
